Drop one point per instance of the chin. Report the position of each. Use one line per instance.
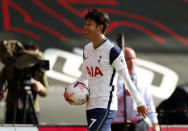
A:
(88, 38)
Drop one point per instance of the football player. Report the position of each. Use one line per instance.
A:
(102, 60)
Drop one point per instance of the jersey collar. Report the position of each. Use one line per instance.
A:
(104, 40)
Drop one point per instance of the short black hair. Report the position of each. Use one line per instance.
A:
(99, 17)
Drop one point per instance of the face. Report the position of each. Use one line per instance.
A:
(130, 58)
(92, 30)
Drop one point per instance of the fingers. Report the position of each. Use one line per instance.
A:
(37, 85)
(65, 93)
(156, 127)
(142, 114)
(66, 96)
(143, 111)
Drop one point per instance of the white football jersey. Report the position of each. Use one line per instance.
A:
(101, 75)
(99, 72)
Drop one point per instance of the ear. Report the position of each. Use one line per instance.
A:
(101, 27)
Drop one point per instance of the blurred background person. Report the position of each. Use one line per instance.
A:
(134, 121)
(14, 80)
(174, 110)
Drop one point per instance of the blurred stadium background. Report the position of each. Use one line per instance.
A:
(156, 29)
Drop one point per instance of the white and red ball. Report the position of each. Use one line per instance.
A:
(77, 93)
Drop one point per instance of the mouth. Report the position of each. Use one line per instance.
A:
(86, 33)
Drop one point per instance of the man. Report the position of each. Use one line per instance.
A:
(16, 95)
(134, 122)
(102, 59)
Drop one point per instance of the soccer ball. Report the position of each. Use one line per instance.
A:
(77, 93)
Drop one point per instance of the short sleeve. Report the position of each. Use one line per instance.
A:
(114, 53)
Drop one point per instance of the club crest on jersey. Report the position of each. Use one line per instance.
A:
(99, 60)
(122, 60)
(94, 71)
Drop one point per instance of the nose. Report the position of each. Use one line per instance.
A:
(85, 28)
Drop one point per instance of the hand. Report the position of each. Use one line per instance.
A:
(67, 96)
(143, 111)
(156, 127)
(2, 94)
(37, 86)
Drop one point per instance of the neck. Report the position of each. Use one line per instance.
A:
(98, 40)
